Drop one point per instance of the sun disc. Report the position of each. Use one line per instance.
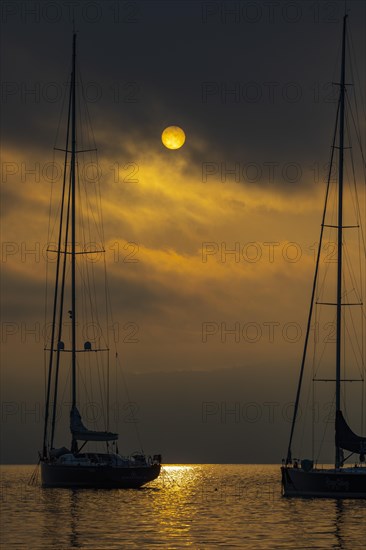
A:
(173, 137)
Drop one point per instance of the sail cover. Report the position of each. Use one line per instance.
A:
(81, 433)
(346, 438)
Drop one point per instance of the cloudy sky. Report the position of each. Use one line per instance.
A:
(217, 236)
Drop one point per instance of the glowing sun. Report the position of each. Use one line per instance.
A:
(173, 137)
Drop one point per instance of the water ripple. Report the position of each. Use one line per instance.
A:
(189, 506)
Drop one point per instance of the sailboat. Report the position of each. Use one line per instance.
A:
(304, 478)
(71, 465)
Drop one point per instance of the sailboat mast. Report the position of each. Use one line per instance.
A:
(338, 460)
(73, 229)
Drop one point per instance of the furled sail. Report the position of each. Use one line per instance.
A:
(81, 433)
(346, 438)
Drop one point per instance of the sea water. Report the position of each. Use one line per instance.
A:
(189, 506)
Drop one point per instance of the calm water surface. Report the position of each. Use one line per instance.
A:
(195, 506)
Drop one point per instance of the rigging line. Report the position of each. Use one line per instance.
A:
(87, 114)
(90, 274)
(288, 458)
(88, 299)
(306, 408)
(354, 292)
(104, 374)
(354, 181)
(326, 341)
(116, 393)
(352, 346)
(118, 363)
(55, 300)
(61, 306)
(46, 290)
(33, 480)
(313, 419)
(99, 203)
(327, 424)
(327, 237)
(130, 401)
(362, 404)
(98, 214)
(90, 127)
(46, 275)
(45, 371)
(100, 367)
(329, 241)
(353, 280)
(108, 299)
(355, 72)
(108, 404)
(359, 233)
(64, 96)
(90, 210)
(49, 232)
(357, 130)
(321, 284)
(87, 231)
(67, 380)
(84, 380)
(357, 125)
(91, 139)
(86, 295)
(56, 217)
(315, 347)
(68, 85)
(107, 313)
(344, 364)
(98, 223)
(61, 311)
(359, 347)
(82, 267)
(359, 216)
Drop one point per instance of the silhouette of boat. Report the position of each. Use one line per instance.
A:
(63, 466)
(301, 477)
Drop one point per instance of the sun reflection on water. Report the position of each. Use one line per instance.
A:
(176, 501)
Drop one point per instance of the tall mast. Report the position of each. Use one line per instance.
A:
(338, 460)
(73, 233)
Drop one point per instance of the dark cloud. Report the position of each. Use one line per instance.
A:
(252, 85)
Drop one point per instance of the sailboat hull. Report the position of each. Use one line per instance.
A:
(98, 476)
(327, 483)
